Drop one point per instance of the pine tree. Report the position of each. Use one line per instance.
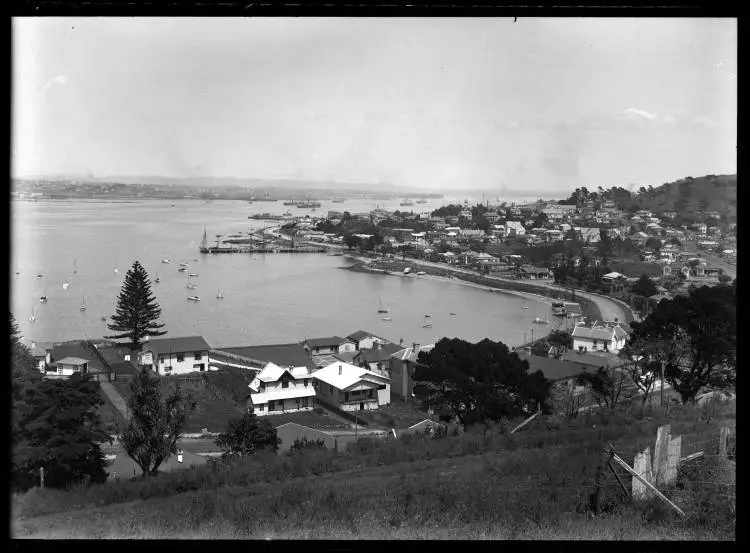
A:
(137, 310)
(156, 423)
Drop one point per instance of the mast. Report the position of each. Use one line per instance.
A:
(204, 241)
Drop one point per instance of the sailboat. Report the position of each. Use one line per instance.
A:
(32, 318)
(83, 304)
(380, 307)
(220, 294)
(43, 299)
(540, 321)
(386, 318)
(524, 307)
(75, 266)
(194, 298)
(65, 284)
(157, 280)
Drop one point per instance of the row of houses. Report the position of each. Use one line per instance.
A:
(357, 372)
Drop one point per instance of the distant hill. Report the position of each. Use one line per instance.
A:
(690, 196)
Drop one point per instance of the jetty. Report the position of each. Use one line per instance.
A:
(257, 245)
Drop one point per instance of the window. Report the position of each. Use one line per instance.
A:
(180, 357)
(381, 387)
(271, 405)
(161, 359)
(346, 396)
(304, 402)
(198, 356)
(59, 369)
(261, 407)
(285, 384)
(594, 343)
(307, 381)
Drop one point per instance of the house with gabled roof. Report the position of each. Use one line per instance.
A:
(377, 359)
(599, 338)
(329, 344)
(277, 390)
(175, 355)
(365, 340)
(402, 364)
(351, 388)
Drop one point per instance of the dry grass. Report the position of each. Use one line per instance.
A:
(529, 485)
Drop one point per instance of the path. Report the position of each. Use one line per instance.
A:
(116, 398)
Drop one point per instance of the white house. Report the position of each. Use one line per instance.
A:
(352, 388)
(599, 338)
(514, 228)
(281, 390)
(175, 355)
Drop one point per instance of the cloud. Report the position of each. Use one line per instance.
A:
(60, 79)
(642, 113)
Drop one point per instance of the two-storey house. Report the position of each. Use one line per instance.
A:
(166, 356)
(330, 344)
(277, 390)
(351, 388)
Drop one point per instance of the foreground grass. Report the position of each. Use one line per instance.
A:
(532, 485)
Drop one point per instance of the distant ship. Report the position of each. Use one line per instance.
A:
(406, 202)
(338, 200)
(421, 201)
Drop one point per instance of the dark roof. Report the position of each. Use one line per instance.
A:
(383, 353)
(592, 359)
(77, 349)
(554, 369)
(357, 336)
(323, 342)
(283, 355)
(183, 344)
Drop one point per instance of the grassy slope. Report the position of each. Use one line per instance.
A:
(495, 486)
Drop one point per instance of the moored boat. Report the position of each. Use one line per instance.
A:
(194, 298)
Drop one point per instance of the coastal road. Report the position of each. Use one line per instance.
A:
(610, 309)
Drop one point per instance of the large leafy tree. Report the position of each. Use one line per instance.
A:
(137, 311)
(697, 338)
(156, 422)
(248, 435)
(644, 286)
(60, 430)
(479, 382)
(561, 341)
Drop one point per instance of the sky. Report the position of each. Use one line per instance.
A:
(442, 103)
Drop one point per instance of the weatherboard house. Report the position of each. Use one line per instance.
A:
(166, 356)
(281, 390)
(351, 388)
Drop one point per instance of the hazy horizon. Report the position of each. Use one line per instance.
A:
(440, 104)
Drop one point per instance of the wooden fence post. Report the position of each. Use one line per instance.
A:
(647, 484)
(661, 453)
(642, 466)
(673, 460)
(723, 440)
(41, 476)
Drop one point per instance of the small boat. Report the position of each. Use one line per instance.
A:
(39, 275)
(194, 298)
(380, 308)
(539, 321)
(157, 280)
(83, 304)
(43, 299)
(407, 270)
(32, 318)
(524, 307)
(182, 269)
(427, 326)
(386, 318)
(193, 274)
(427, 315)
(115, 271)
(166, 260)
(103, 318)
(421, 273)
(65, 284)
(220, 294)
(451, 313)
(183, 264)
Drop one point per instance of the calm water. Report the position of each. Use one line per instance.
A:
(270, 298)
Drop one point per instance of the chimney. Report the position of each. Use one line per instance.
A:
(341, 369)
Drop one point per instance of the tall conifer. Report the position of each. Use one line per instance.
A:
(137, 310)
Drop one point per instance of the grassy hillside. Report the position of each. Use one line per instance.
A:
(689, 196)
(536, 484)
